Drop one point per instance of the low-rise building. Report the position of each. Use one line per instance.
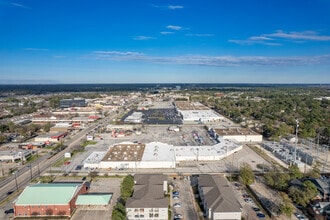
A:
(14, 155)
(148, 200)
(76, 102)
(52, 199)
(239, 134)
(218, 199)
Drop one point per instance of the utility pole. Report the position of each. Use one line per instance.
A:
(16, 181)
(296, 142)
(31, 170)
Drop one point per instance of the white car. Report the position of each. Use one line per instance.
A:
(177, 205)
(177, 216)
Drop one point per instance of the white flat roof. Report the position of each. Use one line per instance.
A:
(95, 157)
(204, 115)
(158, 151)
(220, 149)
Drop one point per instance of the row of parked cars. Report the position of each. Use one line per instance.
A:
(176, 196)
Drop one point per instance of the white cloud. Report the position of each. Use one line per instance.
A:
(218, 61)
(168, 7)
(59, 56)
(166, 32)
(254, 41)
(174, 27)
(303, 35)
(173, 7)
(19, 5)
(127, 53)
(200, 35)
(35, 49)
(143, 38)
(276, 38)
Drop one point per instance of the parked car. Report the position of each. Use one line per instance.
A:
(177, 215)
(176, 193)
(177, 205)
(248, 200)
(256, 209)
(9, 211)
(261, 215)
(175, 197)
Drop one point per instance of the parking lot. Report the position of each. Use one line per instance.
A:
(100, 185)
(183, 204)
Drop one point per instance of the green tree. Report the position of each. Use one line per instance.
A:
(3, 138)
(297, 196)
(315, 172)
(47, 127)
(301, 195)
(286, 206)
(117, 215)
(277, 180)
(294, 172)
(127, 187)
(246, 175)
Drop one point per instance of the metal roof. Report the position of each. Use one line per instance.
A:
(93, 199)
(48, 194)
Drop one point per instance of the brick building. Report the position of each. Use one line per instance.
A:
(52, 199)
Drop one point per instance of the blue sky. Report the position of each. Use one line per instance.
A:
(139, 41)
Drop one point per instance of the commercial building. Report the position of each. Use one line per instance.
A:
(129, 155)
(197, 113)
(135, 118)
(14, 155)
(148, 200)
(52, 199)
(238, 134)
(31, 145)
(76, 102)
(46, 138)
(61, 127)
(217, 198)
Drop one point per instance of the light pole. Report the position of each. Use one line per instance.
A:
(16, 181)
(2, 173)
(38, 170)
(232, 166)
(296, 142)
(197, 149)
(30, 170)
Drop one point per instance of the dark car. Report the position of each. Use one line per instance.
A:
(256, 209)
(9, 211)
(176, 193)
(10, 192)
(261, 215)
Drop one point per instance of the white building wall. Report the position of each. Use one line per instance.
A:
(147, 213)
(136, 165)
(244, 138)
(227, 216)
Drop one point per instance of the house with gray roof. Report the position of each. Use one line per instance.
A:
(218, 199)
(148, 200)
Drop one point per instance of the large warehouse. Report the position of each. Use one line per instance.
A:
(129, 155)
(238, 134)
(195, 112)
